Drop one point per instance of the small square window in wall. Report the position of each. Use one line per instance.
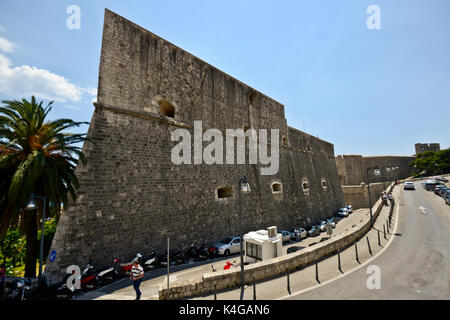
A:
(277, 187)
(224, 192)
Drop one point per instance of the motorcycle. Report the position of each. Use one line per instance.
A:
(176, 257)
(21, 290)
(197, 252)
(88, 281)
(117, 270)
(150, 262)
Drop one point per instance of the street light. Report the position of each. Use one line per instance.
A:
(385, 168)
(243, 186)
(376, 171)
(32, 206)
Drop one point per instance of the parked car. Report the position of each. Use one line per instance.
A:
(313, 231)
(349, 209)
(443, 191)
(447, 198)
(298, 233)
(323, 226)
(228, 245)
(342, 212)
(431, 185)
(285, 236)
(443, 179)
(408, 186)
(438, 188)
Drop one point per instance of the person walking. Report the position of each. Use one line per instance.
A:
(391, 198)
(384, 197)
(137, 273)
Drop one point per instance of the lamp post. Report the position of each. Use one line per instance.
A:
(376, 172)
(32, 206)
(384, 169)
(243, 186)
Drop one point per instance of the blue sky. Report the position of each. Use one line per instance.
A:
(369, 92)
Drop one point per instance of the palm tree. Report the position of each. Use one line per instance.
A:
(36, 157)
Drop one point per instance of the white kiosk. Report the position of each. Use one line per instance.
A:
(263, 245)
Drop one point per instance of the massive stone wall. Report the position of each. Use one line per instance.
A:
(352, 168)
(358, 195)
(132, 197)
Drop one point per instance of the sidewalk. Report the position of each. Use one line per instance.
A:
(327, 269)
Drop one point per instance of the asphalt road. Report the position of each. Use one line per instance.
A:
(416, 265)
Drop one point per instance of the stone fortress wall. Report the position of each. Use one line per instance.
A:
(352, 174)
(352, 168)
(132, 197)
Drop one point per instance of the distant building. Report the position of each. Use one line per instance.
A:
(422, 147)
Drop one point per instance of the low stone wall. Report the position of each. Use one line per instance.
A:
(224, 279)
(358, 196)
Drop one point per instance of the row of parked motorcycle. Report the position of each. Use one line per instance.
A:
(90, 277)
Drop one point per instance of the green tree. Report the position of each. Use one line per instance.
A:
(430, 163)
(36, 157)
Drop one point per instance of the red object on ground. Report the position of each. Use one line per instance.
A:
(228, 265)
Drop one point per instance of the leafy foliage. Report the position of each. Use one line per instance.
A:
(12, 250)
(36, 157)
(430, 163)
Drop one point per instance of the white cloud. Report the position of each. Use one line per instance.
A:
(71, 107)
(23, 81)
(6, 45)
(91, 91)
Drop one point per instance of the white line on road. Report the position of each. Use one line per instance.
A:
(349, 272)
(423, 210)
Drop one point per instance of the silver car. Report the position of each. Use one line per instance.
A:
(228, 245)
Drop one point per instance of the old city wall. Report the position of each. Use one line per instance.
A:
(352, 168)
(358, 195)
(132, 197)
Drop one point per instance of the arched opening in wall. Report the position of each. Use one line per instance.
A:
(224, 192)
(324, 184)
(166, 108)
(252, 98)
(277, 187)
(305, 186)
(284, 141)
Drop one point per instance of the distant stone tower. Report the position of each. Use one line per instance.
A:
(422, 147)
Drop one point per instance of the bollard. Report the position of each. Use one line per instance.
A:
(215, 290)
(339, 262)
(384, 231)
(368, 245)
(173, 293)
(356, 252)
(317, 272)
(379, 242)
(254, 287)
(387, 225)
(288, 283)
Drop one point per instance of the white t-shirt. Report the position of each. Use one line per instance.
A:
(136, 271)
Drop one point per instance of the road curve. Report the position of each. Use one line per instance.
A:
(416, 265)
